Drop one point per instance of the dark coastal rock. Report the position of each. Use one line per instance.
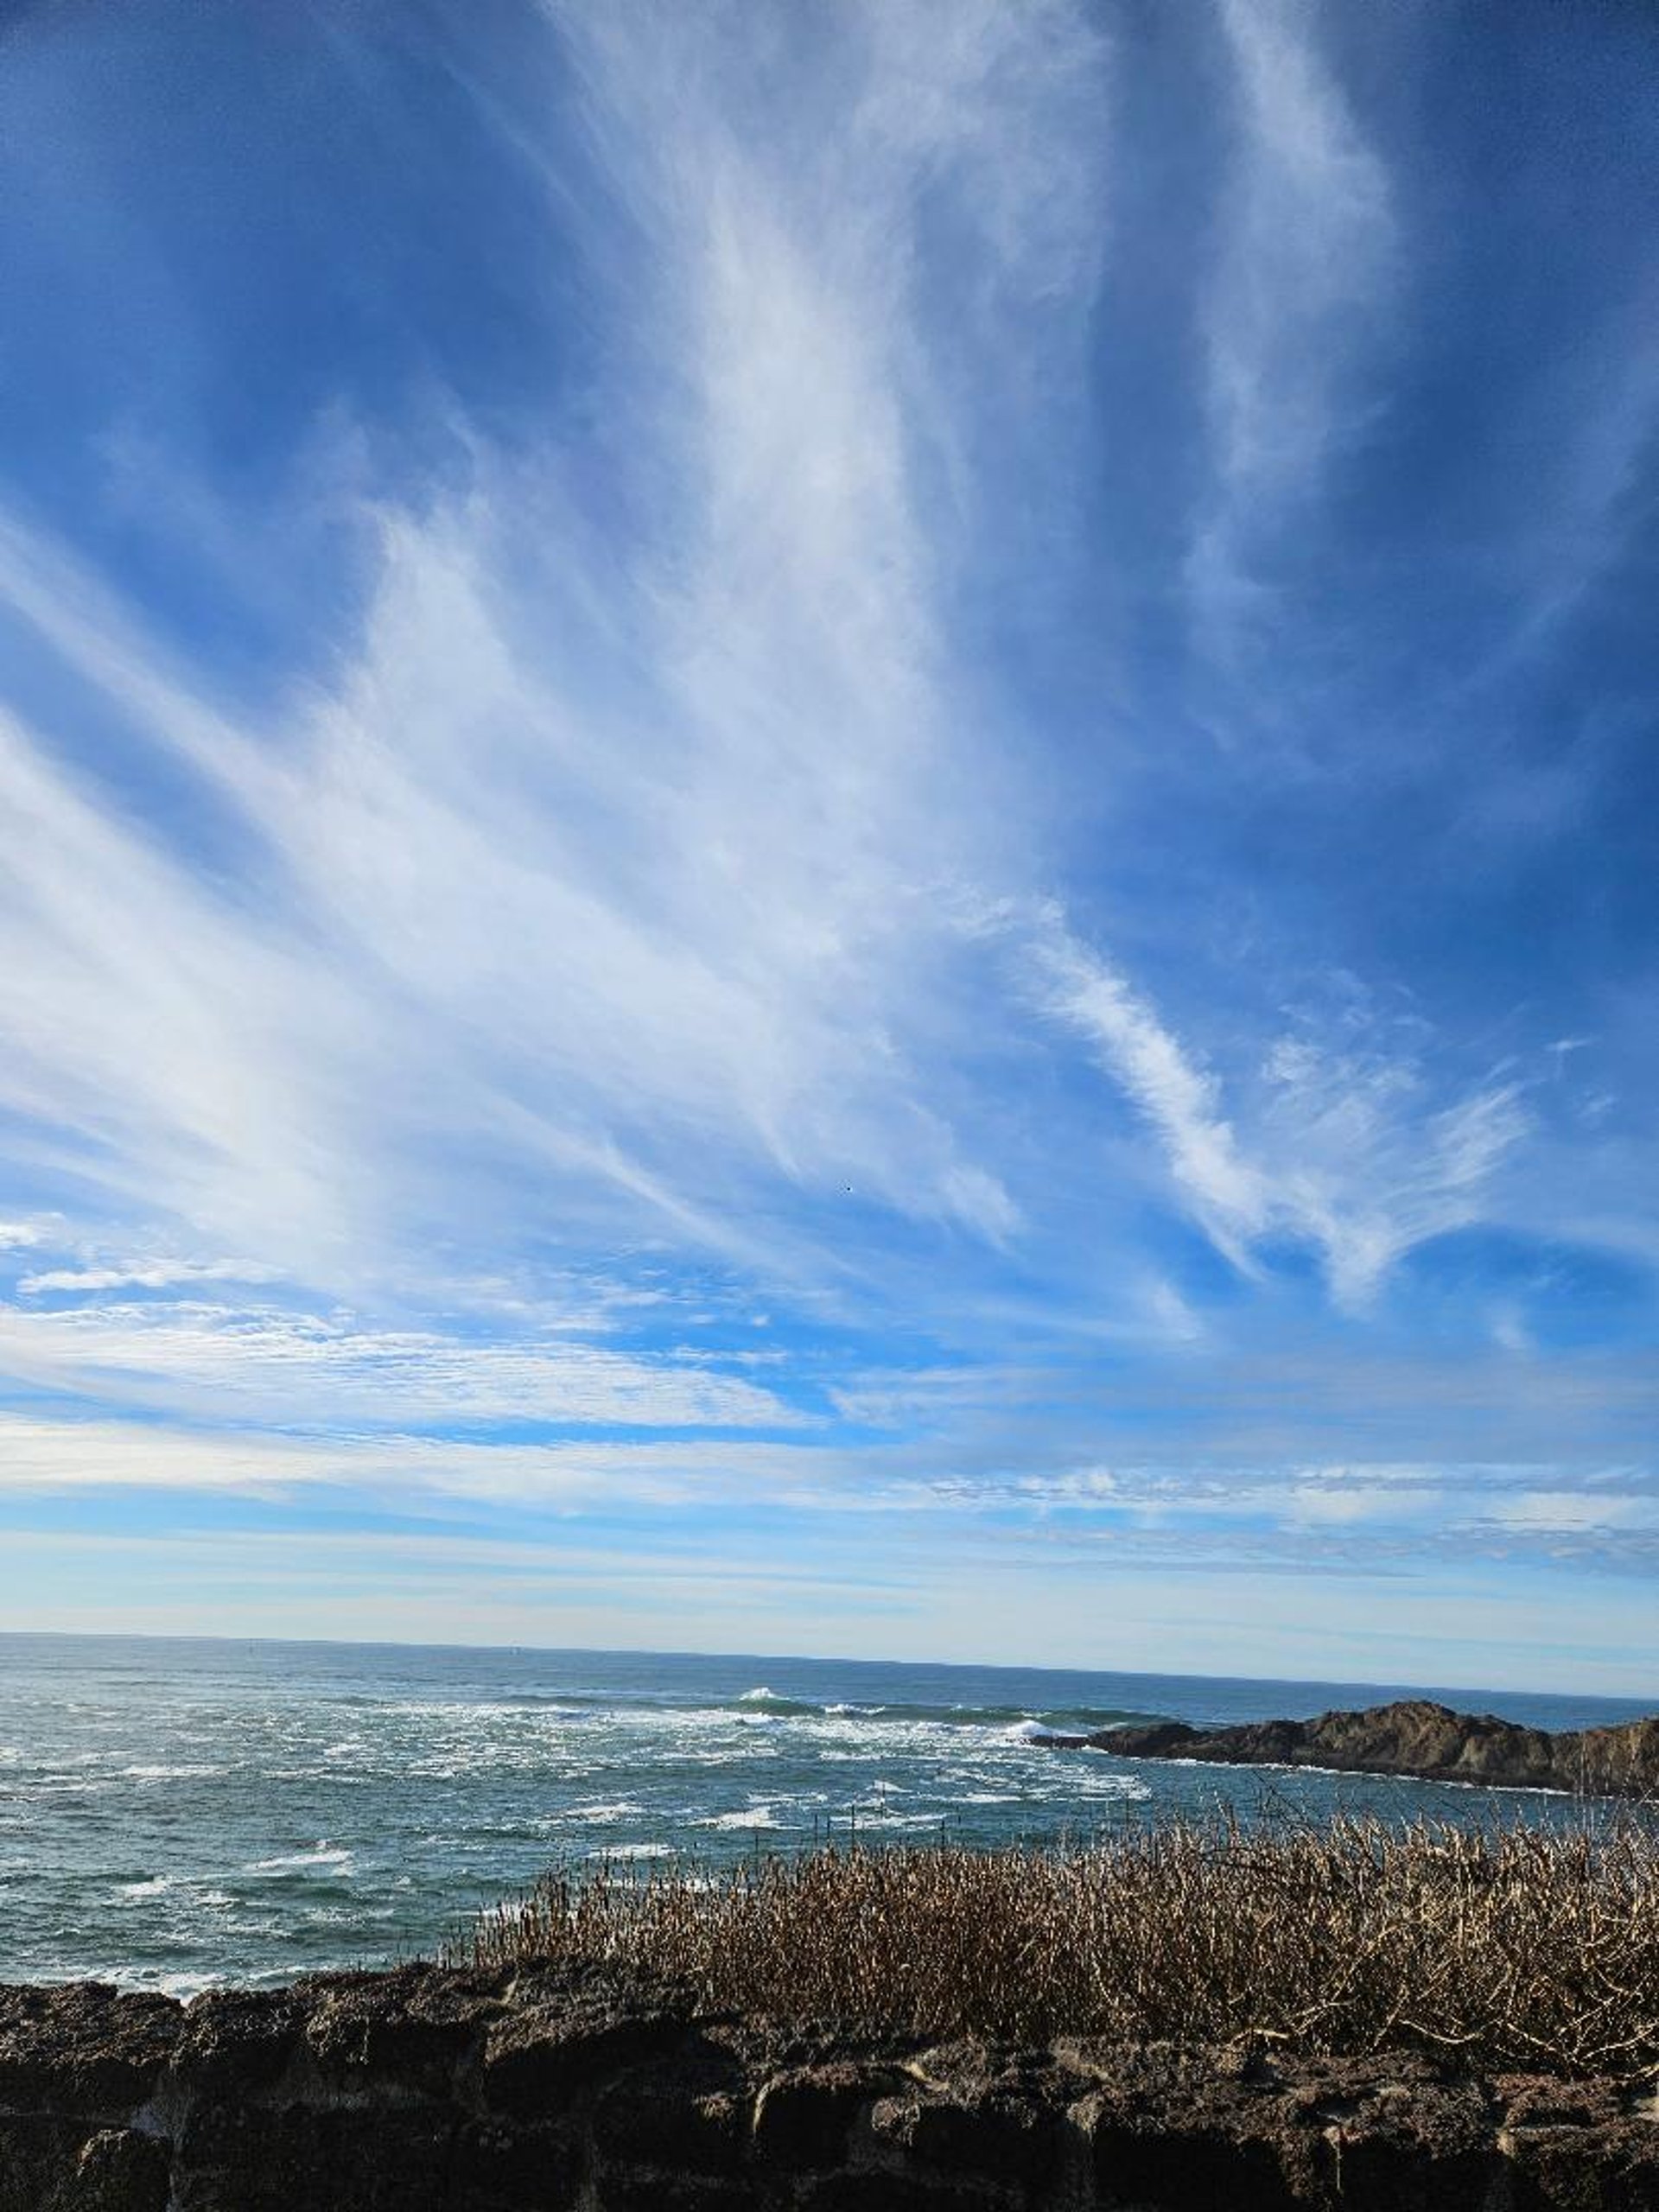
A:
(118, 2170)
(867, 2189)
(410, 2027)
(381, 2156)
(85, 2048)
(51, 2165)
(803, 2116)
(534, 2062)
(1589, 2144)
(239, 2040)
(981, 2133)
(974, 2111)
(687, 2113)
(1416, 1737)
(1171, 2125)
(577, 2091)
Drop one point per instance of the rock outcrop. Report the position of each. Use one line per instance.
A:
(1416, 1737)
(425, 2090)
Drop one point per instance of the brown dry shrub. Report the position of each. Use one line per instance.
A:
(1505, 1945)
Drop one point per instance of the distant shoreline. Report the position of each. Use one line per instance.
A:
(1416, 1738)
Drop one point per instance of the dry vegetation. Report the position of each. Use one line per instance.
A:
(1503, 1946)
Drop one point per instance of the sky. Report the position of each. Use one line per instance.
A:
(833, 829)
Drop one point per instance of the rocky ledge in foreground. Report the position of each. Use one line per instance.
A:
(1416, 1737)
(563, 2091)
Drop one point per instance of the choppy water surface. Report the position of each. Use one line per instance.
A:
(173, 1815)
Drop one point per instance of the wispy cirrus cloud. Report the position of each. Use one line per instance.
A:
(576, 905)
(1305, 263)
(252, 1364)
(53, 1454)
(142, 1275)
(815, 1496)
(583, 857)
(1181, 1100)
(665, 923)
(1349, 1152)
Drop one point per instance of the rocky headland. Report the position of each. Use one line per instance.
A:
(575, 2090)
(1417, 1738)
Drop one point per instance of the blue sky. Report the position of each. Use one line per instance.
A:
(832, 829)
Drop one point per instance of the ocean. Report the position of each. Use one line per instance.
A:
(175, 1815)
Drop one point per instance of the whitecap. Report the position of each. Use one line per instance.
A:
(156, 1887)
(1106, 1785)
(756, 1816)
(322, 1855)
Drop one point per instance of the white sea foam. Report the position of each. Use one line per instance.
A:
(1100, 1783)
(321, 1856)
(510, 1783)
(686, 1720)
(756, 1816)
(181, 1985)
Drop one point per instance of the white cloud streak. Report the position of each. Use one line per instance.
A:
(1304, 267)
(43, 1455)
(1181, 1100)
(1349, 1153)
(647, 901)
(150, 1275)
(547, 892)
(1330, 1519)
(249, 1365)
(613, 888)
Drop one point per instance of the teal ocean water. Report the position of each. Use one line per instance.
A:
(175, 1815)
